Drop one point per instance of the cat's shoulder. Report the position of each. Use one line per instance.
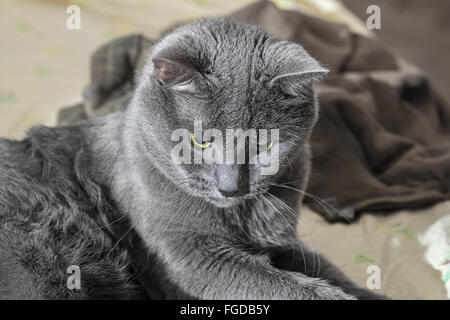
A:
(40, 142)
(52, 216)
(43, 152)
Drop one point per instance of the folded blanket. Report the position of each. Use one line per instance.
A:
(382, 141)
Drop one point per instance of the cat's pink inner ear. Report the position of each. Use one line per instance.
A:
(170, 72)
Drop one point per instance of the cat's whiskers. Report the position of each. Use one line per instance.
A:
(324, 204)
(101, 227)
(183, 182)
(181, 204)
(123, 236)
(194, 213)
(289, 225)
(290, 210)
(181, 207)
(290, 165)
(297, 219)
(296, 216)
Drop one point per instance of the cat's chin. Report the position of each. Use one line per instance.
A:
(226, 202)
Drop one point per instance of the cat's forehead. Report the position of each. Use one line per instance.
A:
(224, 113)
(222, 45)
(230, 69)
(217, 45)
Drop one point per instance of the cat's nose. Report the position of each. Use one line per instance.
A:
(228, 193)
(232, 181)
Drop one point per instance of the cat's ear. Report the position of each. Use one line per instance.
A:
(298, 78)
(294, 69)
(173, 74)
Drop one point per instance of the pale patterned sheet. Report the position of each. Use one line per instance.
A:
(45, 66)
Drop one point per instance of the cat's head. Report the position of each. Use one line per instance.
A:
(226, 75)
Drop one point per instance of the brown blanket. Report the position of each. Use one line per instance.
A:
(383, 138)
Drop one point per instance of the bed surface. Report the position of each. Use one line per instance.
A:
(46, 66)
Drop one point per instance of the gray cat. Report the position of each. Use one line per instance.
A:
(106, 195)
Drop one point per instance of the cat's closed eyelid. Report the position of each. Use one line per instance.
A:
(187, 87)
(192, 89)
(203, 144)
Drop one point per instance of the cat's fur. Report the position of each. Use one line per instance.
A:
(106, 196)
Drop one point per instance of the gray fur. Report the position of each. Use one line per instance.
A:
(59, 185)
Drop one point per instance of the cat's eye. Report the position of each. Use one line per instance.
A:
(203, 144)
(262, 148)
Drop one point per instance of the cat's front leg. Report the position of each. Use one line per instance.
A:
(304, 260)
(214, 268)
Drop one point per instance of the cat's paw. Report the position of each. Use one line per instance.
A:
(329, 292)
(363, 294)
(319, 289)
